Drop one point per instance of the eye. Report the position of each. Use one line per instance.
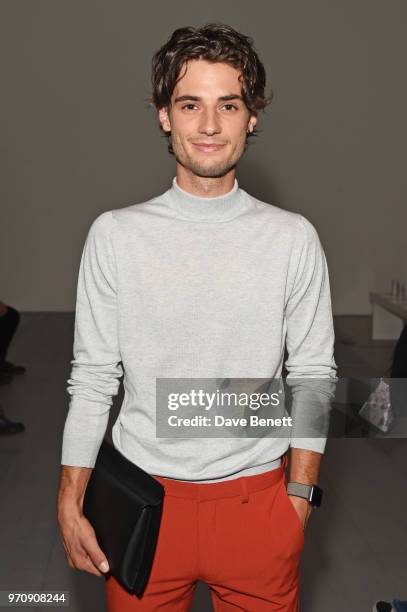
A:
(231, 106)
(189, 104)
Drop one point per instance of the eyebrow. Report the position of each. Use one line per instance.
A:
(198, 99)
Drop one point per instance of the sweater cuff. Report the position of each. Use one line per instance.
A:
(312, 444)
(84, 430)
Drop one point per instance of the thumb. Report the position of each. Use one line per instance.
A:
(104, 566)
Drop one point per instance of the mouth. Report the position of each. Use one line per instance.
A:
(208, 148)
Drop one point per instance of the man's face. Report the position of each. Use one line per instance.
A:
(208, 119)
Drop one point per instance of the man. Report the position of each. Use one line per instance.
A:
(203, 280)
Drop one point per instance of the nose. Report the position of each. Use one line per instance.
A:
(209, 123)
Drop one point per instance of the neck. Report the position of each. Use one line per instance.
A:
(193, 207)
(206, 187)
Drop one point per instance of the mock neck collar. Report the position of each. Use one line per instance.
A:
(200, 208)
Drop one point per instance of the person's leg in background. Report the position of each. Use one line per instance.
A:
(399, 359)
(8, 324)
(398, 374)
(9, 320)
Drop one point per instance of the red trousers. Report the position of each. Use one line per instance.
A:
(242, 537)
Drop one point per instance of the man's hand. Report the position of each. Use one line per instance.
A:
(302, 507)
(79, 540)
(78, 536)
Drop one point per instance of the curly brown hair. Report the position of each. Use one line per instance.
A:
(214, 42)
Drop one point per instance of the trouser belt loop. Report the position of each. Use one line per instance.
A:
(245, 492)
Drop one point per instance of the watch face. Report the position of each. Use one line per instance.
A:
(316, 496)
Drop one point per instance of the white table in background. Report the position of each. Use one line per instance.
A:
(389, 316)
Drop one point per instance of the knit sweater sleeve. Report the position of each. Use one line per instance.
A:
(310, 341)
(96, 366)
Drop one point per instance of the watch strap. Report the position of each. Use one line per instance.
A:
(299, 489)
(312, 493)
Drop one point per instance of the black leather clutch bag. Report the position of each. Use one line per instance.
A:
(123, 503)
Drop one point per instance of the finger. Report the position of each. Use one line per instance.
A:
(84, 562)
(90, 567)
(96, 554)
(78, 558)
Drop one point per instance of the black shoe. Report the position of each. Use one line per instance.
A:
(383, 606)
(6, 367)
(8, 427)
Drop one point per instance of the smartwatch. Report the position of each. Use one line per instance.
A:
(312, 493)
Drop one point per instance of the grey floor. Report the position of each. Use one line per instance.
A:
(355, 550)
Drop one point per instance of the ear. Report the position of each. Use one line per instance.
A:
(164, 119)
(252, 122)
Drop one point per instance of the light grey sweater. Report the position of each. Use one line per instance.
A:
(183, 286)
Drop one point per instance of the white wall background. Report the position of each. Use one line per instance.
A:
(77, 136)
